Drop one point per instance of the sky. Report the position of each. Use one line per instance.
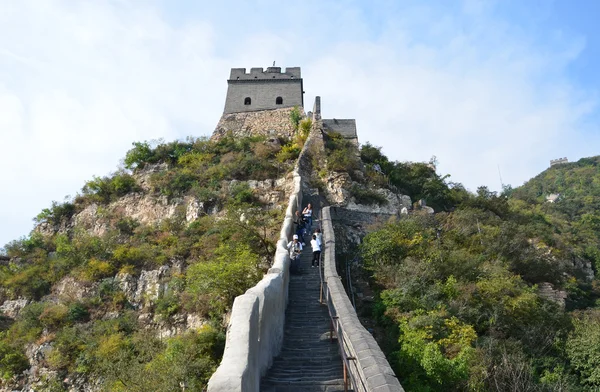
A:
(491, 88)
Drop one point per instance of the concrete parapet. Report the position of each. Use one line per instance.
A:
(237, 370)
(252, 345)
(369, 367)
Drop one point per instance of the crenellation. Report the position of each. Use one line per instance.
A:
(263, 89)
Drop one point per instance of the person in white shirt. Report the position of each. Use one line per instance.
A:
(319, 236)
(295, 248)
(316, 247)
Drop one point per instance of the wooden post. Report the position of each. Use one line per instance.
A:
(345, 378)
(321, 294)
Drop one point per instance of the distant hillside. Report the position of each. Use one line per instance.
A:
(572, 221)
(577, 183)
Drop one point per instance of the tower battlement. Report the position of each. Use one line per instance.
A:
(257, 74)
(262, 89)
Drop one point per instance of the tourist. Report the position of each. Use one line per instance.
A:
(307, 214)
(295, 249)
(316, 248)
(300, 226)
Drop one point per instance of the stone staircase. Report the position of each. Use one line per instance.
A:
(309, 361)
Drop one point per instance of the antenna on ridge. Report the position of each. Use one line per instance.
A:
(500, 175)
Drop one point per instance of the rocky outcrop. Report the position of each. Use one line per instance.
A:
(12, 308)
(394, 205)
(270, 123)
(70, 289)
(547, 291)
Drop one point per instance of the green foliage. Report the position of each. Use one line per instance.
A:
(288, 152)
(56, 214)
(364, 195)
(436, 350)
(478, 267)
(12, 359)
(419, 180)
(235, 267)
(305, 127)
(139, 155)
(295, 117)
(341, 154)
(583, 348)
(109, 189)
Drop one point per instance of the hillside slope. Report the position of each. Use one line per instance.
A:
(500, 292)
(128, 285)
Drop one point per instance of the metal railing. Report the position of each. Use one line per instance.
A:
(348, 361)
(364, 364)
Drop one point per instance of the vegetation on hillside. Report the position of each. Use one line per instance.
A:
(99, 336)
(458, 292)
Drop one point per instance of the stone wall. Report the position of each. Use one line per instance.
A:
(370, 368)
(270, 123)
(263, 88)
(255, 330)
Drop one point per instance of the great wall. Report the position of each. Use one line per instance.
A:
(295, 332)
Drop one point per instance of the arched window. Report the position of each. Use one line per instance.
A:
(247, 101)
(278, 101)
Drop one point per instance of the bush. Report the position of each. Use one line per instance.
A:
(12, 359)
(56, 214)
(232, 271)
(78, 313)
(368, 196)
(139, 155)
(54, 316)
(288, 152)
(241, 193)
(108, 189)
(295, 117)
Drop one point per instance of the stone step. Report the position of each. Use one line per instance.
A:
(308, 361)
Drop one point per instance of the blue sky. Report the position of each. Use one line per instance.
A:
(479, 84)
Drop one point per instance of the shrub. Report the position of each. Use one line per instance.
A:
(54, 316)
(78, 313)
(139, 155)
(232, 271)
(56, 214)
(12, 359)
(288, 152)
(108, 189)
(295, 117)
(97, 269)
(367, 196)
(241, 193)
(167, 305)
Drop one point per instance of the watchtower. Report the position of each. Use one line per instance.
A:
(263, 90)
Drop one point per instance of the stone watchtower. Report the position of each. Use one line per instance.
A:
(263, 90)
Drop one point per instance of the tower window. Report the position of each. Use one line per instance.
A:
(278, 101)
(247, 101)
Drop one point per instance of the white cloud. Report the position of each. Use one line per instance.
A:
(80, 81)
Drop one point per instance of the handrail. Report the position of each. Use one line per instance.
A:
(335, 324)
(336, 327)
(365, 367)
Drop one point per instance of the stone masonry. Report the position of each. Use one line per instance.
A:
(263, 90)
(273, 123)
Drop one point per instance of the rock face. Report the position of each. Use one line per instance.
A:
(337, 185)
(546, 290)
(270, 123)
(12, 308)
(69, 289)
(395, 204)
